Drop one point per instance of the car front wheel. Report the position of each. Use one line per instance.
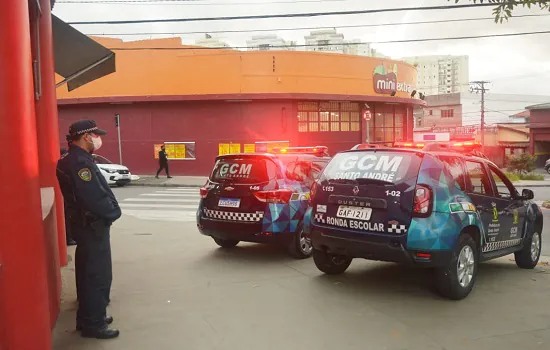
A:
(331, 264)
(528, 256)
(456, 280)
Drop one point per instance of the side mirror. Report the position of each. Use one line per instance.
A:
(527, 194)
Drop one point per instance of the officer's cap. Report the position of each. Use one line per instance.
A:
(84, 126)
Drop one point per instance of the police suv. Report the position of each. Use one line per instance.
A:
(261, 197)
(442, 209)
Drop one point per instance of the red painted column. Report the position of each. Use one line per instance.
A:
(47, 123)
(24, 322)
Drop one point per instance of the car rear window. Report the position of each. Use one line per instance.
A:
(385, 166)
(244, 170)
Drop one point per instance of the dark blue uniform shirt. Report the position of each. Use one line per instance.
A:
(84, 189)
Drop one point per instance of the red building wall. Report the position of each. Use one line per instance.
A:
(207, 123)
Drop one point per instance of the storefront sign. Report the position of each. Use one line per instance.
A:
(249, 148)
(386, 81)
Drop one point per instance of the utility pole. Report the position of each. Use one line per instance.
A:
(479, 87)
(117, 124)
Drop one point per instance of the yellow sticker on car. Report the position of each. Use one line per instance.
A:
(85, 174)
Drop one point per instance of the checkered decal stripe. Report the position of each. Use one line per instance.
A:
(319, 218)
(393, 228)
(491, 246)
(232, 216)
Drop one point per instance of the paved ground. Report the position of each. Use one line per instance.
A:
(175, 289)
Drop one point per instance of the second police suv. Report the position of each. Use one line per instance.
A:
(441, 208)
(261, 197)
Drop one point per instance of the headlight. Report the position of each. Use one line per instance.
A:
(110, 171)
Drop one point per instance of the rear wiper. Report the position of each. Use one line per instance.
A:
(367, 181)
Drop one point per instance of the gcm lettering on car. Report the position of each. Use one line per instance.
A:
(452, 211)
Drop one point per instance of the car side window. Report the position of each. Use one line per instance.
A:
(503, 189)
(479, 178)
(454, 165)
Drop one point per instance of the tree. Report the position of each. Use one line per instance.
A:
(522, 164)
(503, 9)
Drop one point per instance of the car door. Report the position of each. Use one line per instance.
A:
(511, 206)
(480, 190)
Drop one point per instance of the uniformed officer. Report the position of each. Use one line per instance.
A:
(91, 208)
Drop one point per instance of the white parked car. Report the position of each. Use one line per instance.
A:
(115, 174)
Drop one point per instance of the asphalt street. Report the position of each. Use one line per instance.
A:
(175, 289)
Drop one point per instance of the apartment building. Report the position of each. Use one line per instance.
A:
(441, 74)
(269, 42)
(209, 41)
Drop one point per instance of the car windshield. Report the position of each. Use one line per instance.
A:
(389, 167)
(243, 170)
(101, 160)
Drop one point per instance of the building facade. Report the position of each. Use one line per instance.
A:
(441, 74)
(209, 41)
(226, 101)
(269, 42)
(441, 110)
(539, 128)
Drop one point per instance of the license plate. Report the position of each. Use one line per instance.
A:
(125, 176)
(229, 202)
(354, 212)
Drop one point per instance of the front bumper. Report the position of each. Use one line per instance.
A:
(390, 248)
(116, 178)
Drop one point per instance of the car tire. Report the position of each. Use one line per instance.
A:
(548, 170)
(464, 262)
(300, 247)
(225, 243)
(331, 264)
(528, 257)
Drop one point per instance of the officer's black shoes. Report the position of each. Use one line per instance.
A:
(108, 320)
(104, 333)
(169, 177)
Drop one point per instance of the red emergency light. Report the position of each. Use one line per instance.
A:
(319, 150)
(417, 145)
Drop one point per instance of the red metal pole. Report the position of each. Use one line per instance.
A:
(25, 320)
(47, 122)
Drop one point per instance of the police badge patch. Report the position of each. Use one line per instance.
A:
(85, 174)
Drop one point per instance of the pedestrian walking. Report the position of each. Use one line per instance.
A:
(91, 208)
(163, 162)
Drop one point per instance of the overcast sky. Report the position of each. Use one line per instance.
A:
(514, 65)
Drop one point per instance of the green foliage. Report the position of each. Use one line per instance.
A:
(503, 8)
(532, 176)
(522, 164)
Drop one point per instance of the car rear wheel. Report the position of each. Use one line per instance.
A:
(225, 243)
(331, 264)
(548, 169)
(300, 247)
(456, 280)
(528, 256)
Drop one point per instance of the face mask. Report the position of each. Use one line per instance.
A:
(97, 142)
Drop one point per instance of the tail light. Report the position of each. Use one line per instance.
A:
(275, 196)
(204, 192)
(423, 201)
(313, 190)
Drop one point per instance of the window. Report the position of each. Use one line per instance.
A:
(431, 112)
(447, 113)
(499, 177)
(329, 116)
(454, 165)
(479, 179)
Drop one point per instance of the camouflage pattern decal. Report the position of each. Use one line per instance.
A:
(453, 210)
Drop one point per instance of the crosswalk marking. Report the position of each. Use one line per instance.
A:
(169, 194)
(171, 200)
(173, 204)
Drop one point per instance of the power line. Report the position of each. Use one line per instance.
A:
(287, 15)
(188, 2)
(312, 28)
(318, 45)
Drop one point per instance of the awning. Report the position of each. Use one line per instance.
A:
(78, 58)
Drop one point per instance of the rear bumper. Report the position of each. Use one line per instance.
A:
(375, 247)
(245, 232)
